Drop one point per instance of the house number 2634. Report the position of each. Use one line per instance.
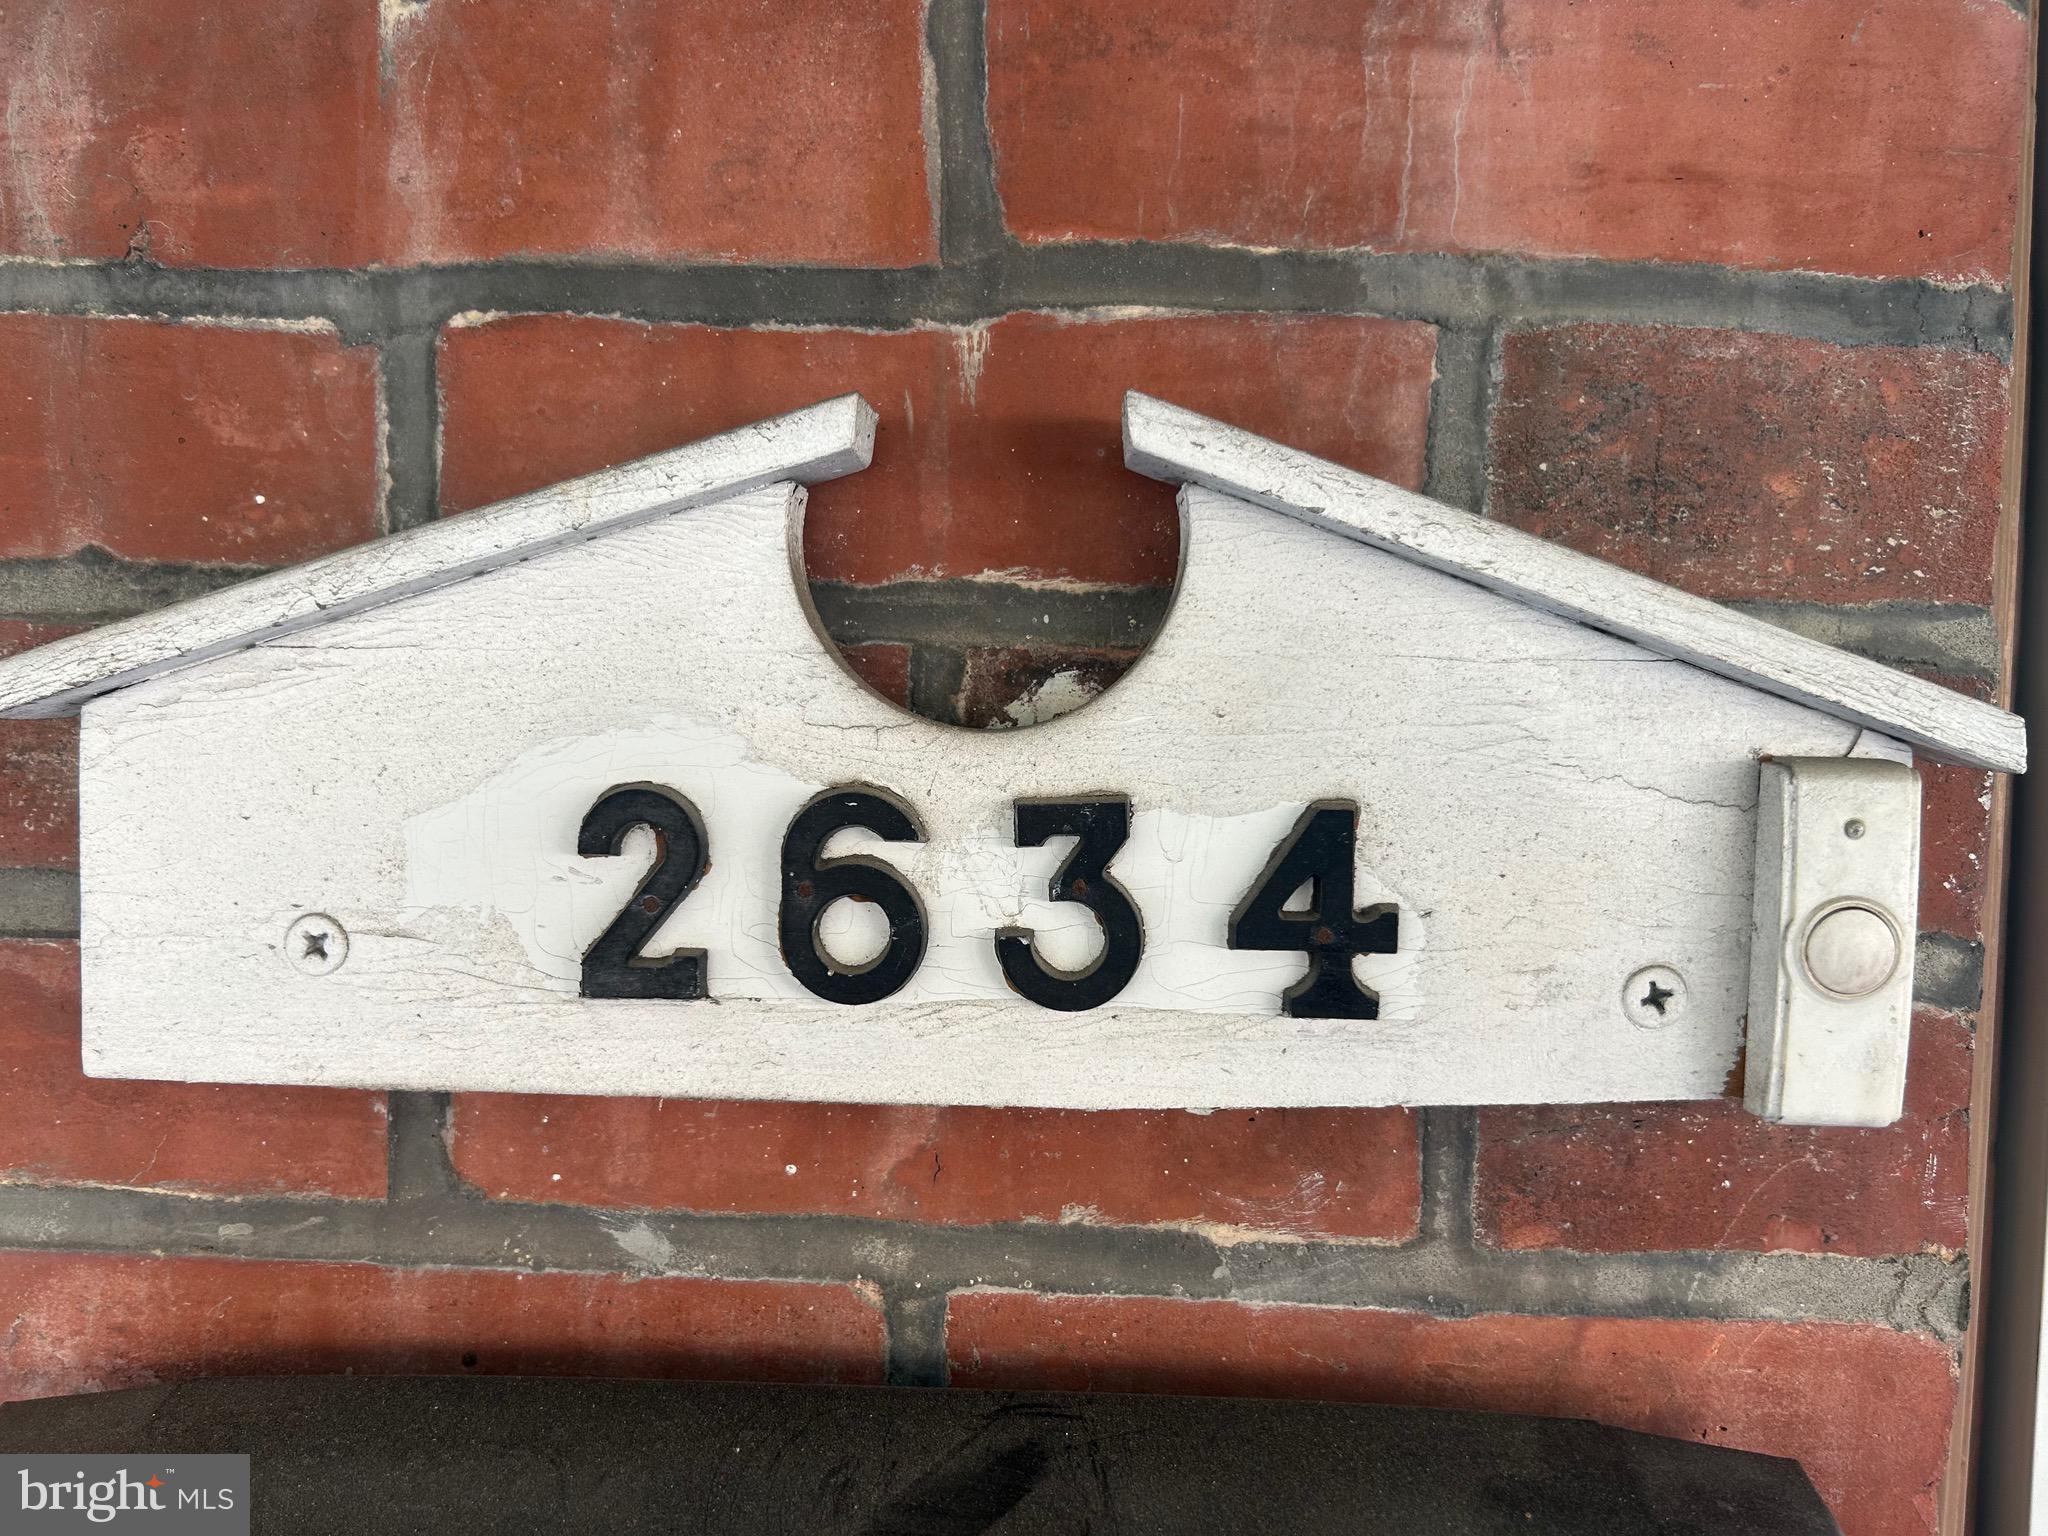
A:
(1319, 852)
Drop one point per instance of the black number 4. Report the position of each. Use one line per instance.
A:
(1320, 851)
(614, 966)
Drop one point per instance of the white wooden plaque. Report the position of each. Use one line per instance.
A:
(1550, 811)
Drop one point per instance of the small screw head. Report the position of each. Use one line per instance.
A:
(1852, 828)
(1653, 997)
(316, 944)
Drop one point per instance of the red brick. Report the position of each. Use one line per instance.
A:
(58, 1126)
(1000, 448)
(190, 131)
(1865, 1410)
(86, 1323)
(1742, 465)
(1348, 1173)
(1616, 1178)
(251, 135)
(1028, 685)
(777, 130)
(38, 773)
(884, 666)
(184, 441)
(1823, 136)
(1955, 849)
(38, 793)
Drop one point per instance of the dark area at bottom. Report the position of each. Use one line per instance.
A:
(460, 1455)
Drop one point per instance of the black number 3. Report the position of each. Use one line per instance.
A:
(810, 884)
(1320, 851)
(614, 966)
(1102, 825)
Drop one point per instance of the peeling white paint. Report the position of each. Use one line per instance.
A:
(928, 122)
(645, 1246)
(502, 859)
(51, 116)
(1062, 693)
(1548, 806)
(971, 345)
(412, 167)
(394, 19)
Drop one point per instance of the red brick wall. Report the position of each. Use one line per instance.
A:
(1717, 290)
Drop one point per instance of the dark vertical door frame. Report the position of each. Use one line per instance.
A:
(2011, 1491)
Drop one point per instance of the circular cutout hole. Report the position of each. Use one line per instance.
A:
(1037, 498)
(996, 688)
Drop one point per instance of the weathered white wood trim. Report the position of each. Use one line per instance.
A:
(1179, 446)
(1552, 810)
(819, 442)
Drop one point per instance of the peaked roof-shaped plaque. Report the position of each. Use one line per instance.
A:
(820, 442)
(1401, 806)
(1169, 443)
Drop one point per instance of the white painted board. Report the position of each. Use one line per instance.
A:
(820, 442)
(1177, 445)
(1550, 808)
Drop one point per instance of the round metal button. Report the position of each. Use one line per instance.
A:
(1851, 951)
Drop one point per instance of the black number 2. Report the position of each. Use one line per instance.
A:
(811, 883)
(1102, 824)
(614, 966)
(1320, 851)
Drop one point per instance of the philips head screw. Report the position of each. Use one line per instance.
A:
(316, 944)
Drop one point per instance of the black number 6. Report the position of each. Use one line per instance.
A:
(810, 884)
(1102, 825)
(614, 966)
